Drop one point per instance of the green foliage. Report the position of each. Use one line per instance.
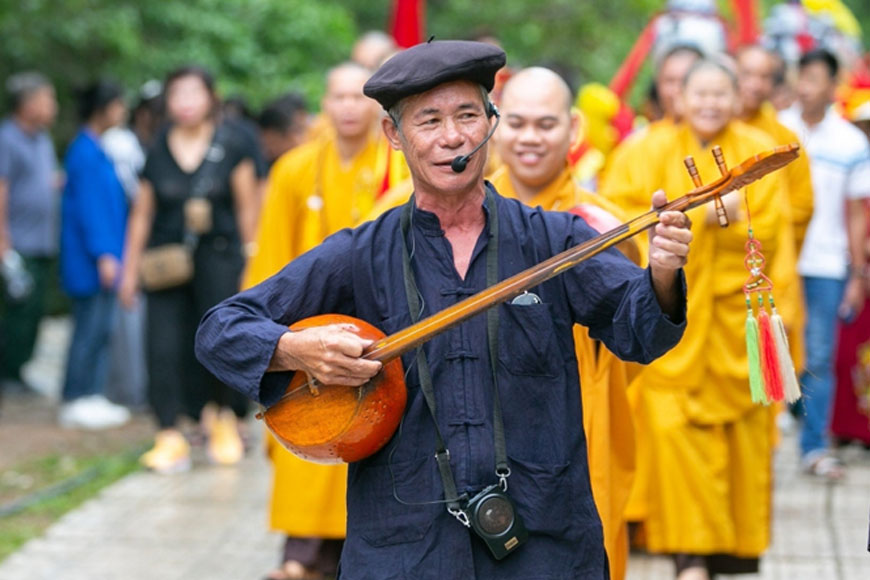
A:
(259, 48)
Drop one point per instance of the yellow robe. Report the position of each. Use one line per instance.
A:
(704, 469)
(796, 173)
(603, 378)
(310, 195)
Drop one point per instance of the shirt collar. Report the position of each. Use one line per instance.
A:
(429, 223)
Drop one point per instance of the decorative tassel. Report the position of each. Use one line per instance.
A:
(769, 359)
(756, 381)
(789, 377)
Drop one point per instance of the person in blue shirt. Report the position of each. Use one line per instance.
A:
(29, 180)
(399, 526)
(93, 223)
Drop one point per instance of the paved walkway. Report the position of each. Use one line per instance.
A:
(211, 524)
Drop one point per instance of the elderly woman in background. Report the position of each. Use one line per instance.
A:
(704, 448)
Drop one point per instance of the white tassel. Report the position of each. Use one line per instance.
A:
(789, 377)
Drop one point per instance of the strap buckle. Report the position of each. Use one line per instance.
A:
(460, 515)
(503, 474)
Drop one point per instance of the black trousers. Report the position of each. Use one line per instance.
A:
(177, 383)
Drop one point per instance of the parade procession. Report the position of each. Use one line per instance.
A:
(409, 290)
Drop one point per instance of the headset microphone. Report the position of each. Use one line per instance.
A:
(461, 161)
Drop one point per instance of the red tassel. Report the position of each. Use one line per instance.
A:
(770, 368)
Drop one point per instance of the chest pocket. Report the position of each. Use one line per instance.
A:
(377, 516)
(527, 340)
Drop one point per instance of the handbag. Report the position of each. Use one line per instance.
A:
(171, 265)
(166, 266)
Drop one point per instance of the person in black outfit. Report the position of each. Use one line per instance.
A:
(197, 157)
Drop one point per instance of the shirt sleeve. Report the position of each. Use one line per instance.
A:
(615, 299)
(237, 338)
(86, 181)
(858, 182)
(5, 159)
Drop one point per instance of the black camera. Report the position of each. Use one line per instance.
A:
(494, 518)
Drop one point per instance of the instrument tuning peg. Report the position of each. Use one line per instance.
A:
(720, 160)
(693, 171)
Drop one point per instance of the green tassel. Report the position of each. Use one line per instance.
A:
(756, 381)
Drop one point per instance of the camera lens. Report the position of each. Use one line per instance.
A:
(495, 515)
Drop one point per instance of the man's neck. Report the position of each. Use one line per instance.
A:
(350, 147)
(813, 116)
(96, 128)
(463, 211)
(526, 192)
(27, 125)
(749, 114)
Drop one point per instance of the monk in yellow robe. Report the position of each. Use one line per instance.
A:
(537, 132)
(671, 68)
(707, 449)
(314, 190)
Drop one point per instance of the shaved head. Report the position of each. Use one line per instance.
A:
(538, 129)
(540, 81)
(351, 113)
(372, 48)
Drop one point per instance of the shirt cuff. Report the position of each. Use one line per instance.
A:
(679, 321)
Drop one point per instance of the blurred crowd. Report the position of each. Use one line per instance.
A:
(165, 207)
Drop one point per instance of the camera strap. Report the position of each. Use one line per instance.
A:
(442, 454)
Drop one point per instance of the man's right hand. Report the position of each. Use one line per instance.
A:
(331, 354)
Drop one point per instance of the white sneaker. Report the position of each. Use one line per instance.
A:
(93, 413)
(119, 412)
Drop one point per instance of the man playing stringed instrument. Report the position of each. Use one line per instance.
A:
(500, 391)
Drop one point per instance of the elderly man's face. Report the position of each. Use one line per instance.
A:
(537, 131)
(436, 126)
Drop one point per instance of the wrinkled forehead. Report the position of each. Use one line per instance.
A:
(445, 98)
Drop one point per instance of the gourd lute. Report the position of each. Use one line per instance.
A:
(335, 423)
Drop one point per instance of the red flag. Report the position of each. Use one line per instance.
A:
(624, 77)
(406, 22)
(746, 13)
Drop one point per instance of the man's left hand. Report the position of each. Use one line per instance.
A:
(669, 239)
(668, 252)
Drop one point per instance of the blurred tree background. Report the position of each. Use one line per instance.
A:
(260, 48)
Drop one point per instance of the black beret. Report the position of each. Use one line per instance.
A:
(427, 65)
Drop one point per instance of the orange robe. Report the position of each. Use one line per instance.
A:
(311, 194)
(705, 450)
(603, 378)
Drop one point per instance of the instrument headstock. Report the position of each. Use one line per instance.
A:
(738, 177)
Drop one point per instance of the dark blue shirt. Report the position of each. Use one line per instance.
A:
(359, 273)
(93, 215)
